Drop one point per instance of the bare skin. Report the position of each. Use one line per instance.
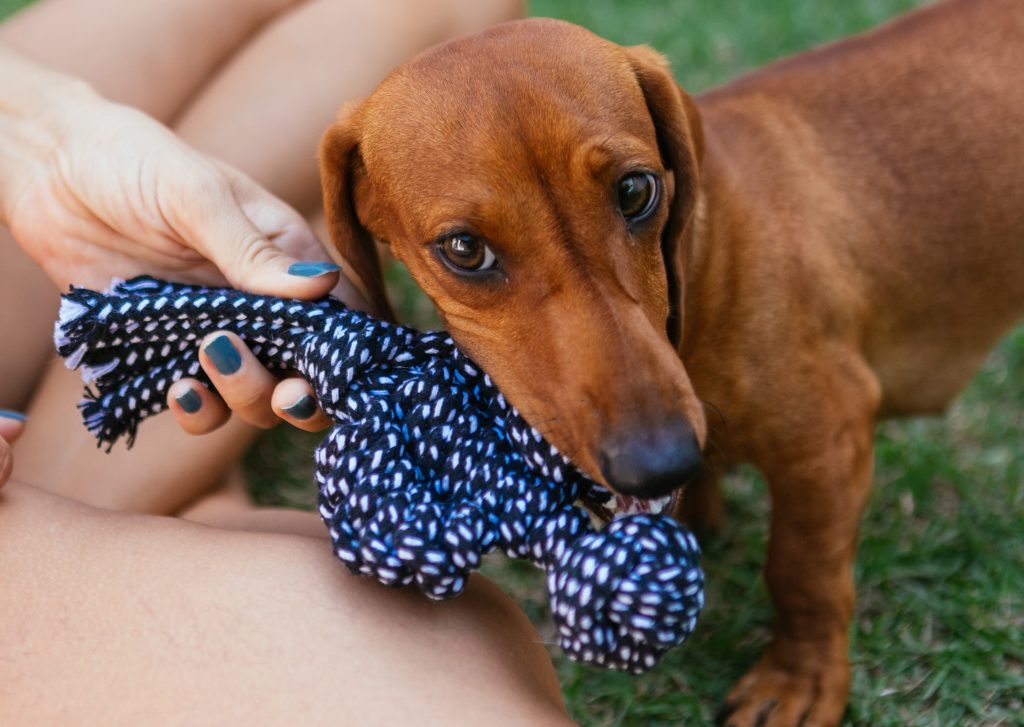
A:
(223, 76)
(832, 239)
(115, 619)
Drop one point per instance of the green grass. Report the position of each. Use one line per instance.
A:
(9, 6)
(710, 42)
(938, 637)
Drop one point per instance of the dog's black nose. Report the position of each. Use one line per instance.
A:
(652, 463)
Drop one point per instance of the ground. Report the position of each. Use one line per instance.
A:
(938, 637)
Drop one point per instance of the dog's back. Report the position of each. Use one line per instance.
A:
(843, 240)
(894, 157)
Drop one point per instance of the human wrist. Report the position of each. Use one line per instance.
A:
(37, 111)
(33, 91)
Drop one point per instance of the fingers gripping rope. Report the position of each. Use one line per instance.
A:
(427, 467)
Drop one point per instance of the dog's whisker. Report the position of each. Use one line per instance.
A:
(713, 407)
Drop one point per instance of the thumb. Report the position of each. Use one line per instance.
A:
(247, 257)
(6, 461)
(11, 425)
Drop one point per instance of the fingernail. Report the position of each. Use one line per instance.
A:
(189, 401)
(304, 408)
(224, 355)
(16, 416)
(312, 270)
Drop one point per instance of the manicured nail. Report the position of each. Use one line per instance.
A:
(224, 355)
(189, 401)
(304, 408)
(312, 270)
(16, 416)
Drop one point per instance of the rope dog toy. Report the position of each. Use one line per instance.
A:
(427, 467)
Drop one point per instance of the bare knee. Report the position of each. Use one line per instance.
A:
(149, 54)
(287, 615)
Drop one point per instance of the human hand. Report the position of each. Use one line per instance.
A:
(93, 190)
(11, 426)
(97, 190)
(87, 227)
(245, 387)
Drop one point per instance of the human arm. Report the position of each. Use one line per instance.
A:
(92, 189)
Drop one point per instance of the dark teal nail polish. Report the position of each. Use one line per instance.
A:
(312, 270)
(16, 416)
(224, 355)
(189, 401)
(304, 408)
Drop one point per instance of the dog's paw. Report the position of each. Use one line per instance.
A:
(769, 696)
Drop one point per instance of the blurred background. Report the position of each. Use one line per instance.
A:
(938, 637)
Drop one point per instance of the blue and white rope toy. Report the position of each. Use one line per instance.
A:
(427, 467)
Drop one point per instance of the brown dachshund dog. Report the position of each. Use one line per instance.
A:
(832, 239)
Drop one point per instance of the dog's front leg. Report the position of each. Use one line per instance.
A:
(819, 473)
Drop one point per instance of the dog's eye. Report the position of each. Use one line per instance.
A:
(638, 195)
(468, 253)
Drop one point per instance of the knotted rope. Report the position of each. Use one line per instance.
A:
(427, 467)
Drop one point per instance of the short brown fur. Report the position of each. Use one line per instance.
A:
(841, 239)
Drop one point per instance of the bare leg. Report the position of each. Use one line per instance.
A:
(98, 628)
(150, 54)
(231, 508)
(267, 109)
(26, 345)
(133, 53)
(165, 470)
(263, 111)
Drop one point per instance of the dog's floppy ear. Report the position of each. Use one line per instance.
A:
(341, 165)
(681, 143)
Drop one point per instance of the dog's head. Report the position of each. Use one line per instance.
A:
(537, 181)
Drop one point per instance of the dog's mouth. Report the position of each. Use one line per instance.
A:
(615, 505)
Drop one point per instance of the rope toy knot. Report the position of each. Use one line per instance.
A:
(427, 468)
(623, 596)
